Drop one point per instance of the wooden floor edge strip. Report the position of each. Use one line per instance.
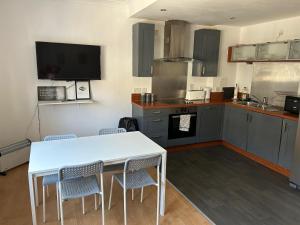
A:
(266, 163)
(192, 146)
(194, 206)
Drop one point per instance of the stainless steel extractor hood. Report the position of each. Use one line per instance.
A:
(176, 41)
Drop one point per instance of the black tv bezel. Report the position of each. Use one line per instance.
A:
(63, 79)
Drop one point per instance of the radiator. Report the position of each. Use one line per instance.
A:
(14, 155)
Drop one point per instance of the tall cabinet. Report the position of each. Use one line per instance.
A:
(142, 49)
(206, 51)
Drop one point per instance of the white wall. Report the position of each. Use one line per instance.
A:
(267, 32)
(74, 21)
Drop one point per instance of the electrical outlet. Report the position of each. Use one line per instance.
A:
(144, 90)
(137, 90)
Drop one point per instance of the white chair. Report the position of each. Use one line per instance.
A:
(111, 131)
(52, 179)
(105, 131)
(80, 181)
(135, 176)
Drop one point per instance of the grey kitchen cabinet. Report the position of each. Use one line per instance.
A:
(206, 50)
(235, 126)
(287, 145)
(153, 123)
(142, 49)
(272, 51)
(210, 121)
(264, 134)
(294, 53)
(243, 53)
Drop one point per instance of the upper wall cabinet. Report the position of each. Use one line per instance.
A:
(285, 51)
(272, 51)
(243, 53)
(295, 50)
(142, 49)
(206, 50)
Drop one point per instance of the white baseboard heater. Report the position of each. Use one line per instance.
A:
(14, 155)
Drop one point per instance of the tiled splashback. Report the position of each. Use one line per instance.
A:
(275, 81)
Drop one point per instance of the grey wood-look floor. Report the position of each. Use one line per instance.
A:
(233, 190)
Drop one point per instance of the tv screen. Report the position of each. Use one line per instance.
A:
(59, 61)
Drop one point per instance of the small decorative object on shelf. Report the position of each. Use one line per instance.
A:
(51, 93)
(83, 90)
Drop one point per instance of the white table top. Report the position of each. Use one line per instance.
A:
(52, 155)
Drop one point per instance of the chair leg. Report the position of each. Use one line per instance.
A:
(61, 210)
(125, 209)
(95, 201)
(142, 193)
(83, 209)
(102, 198)
(47, 191)
(110, 193)
(57, 201)
(44, 205)
(132, 194)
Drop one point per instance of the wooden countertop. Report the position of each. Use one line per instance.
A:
(281, 114)
(159, 105)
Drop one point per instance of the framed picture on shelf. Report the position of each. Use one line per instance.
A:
(83, 90)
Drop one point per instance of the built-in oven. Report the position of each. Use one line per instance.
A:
(175, 131)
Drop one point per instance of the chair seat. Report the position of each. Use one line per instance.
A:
(79, 187)
(136, 179)
(50, 179)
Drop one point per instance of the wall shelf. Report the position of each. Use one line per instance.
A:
(42, 103)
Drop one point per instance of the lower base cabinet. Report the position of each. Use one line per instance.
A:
(210, 121)
(287, 145)
(235, 126)
(264, 134)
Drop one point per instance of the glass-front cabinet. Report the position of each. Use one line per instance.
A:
(295, 50)
(272, 51)
(243, 53)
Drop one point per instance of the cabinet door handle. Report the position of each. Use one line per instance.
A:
(158, 136)
(203, 70)
(151, 70)
(157, 120)
(156, 112)
(285, 127)
(247, 117)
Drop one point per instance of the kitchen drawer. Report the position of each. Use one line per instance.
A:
(155, 112)
(159, 138)
(156, 124)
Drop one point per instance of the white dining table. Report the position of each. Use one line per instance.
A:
(47, 157)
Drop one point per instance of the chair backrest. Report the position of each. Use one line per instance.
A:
(135, 164)
(59, 137)
(85, 170)
(111, 131)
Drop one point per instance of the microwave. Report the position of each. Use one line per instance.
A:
(292, 104)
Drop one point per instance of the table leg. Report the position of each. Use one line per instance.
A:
(163, 184)
(36, 192)
(32, 203)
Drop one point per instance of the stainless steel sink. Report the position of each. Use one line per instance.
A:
(268, 108)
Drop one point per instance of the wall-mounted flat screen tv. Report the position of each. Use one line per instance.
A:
(60, 61)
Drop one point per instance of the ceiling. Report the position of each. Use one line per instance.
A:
(219, 12)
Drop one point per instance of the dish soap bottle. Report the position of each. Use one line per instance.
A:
(236, 91)
(245, 94)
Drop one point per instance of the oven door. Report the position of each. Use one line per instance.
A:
(174, 121)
